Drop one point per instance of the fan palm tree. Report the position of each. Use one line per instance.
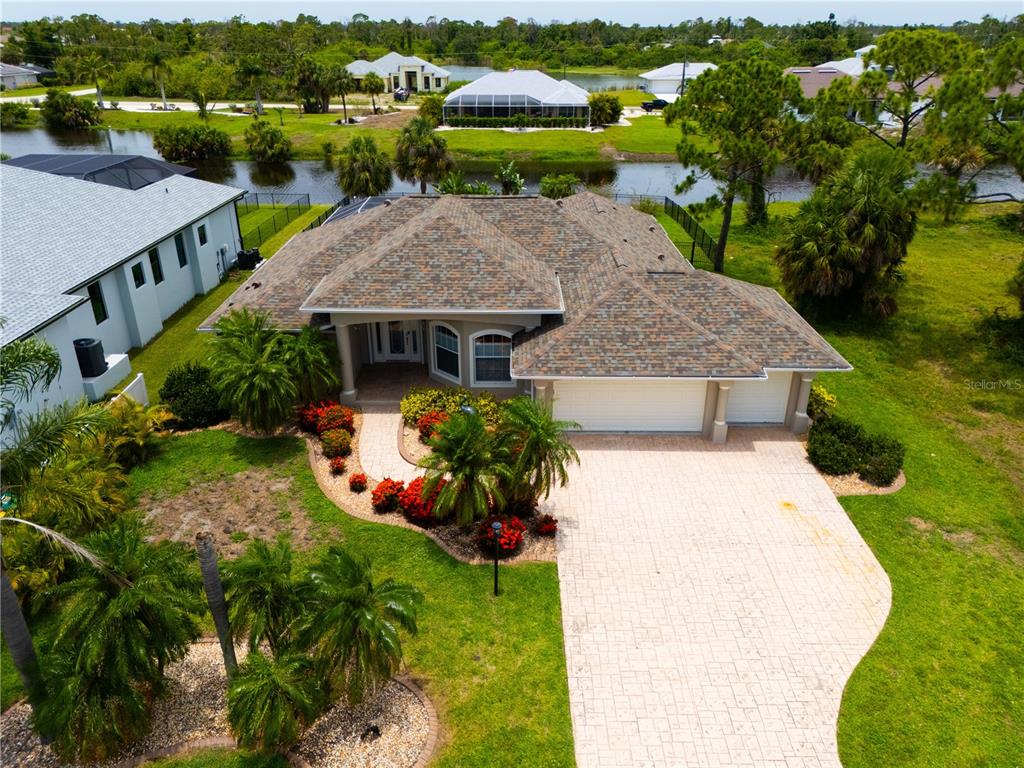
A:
(261, 594)
(467, 455)
(539, 453)
(214, 590)
(159, 67)
(309, 358)
(352, 622)
(92, 66)
(344, 84)
(270, 701)
(251, 72)
(363, 169)
(421, 154)
(373, 85)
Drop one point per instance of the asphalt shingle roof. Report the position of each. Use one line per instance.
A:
(25, 312)
(633, 307)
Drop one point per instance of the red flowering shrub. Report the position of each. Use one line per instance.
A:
(414, 506)
(310, 413)
(336, 442)
(336, 417)
(510, 538)
(546, 526)
(337, 465)
(429, 422)
(357, 482)
(386, 494)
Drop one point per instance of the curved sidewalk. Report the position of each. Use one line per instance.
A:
(378, 443)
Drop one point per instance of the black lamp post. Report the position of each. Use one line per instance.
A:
(496, 528)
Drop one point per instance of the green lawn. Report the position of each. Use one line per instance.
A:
(493, 667)
(944, 684)
(41, 90)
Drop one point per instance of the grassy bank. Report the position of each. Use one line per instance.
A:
(943, 683)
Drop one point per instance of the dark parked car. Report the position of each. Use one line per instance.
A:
(649, 106)
(401, 94)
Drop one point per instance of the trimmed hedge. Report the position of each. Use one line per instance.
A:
(191, 396)
(420, 401)
(517, 121)
(838, 446)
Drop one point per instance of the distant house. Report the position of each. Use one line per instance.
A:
(398, 71)
(815, 79)
(12, 76)
(518, 92)
(664, 82)
(95, 254)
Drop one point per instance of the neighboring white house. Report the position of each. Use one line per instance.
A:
(12, 76)
(664, 82)
(85, 260)
(398, 71)
(519, 91)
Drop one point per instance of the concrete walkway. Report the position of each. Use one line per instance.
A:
(378, 444)
(715, 599)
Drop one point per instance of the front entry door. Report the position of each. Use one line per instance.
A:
(398, 340)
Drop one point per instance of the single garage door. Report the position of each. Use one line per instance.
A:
(641, 406)
(760, 401)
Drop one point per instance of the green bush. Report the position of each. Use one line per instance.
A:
(14, 115)
(821, 403)
(881, 460)
(516, 121)
(62, 110)
(335, 443)
(431, 108)
(420, 401)
(605, 109)
(558, 185)
(837, 446)
(830, 452)
(191, 396)
(267, 143)
(191, 143)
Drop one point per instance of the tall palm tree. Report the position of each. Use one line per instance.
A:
(421, 154)
(214, 590)
(251, 71)
(159, 67)
(270, 701)
(363, 169)
(539, 453)
(373, 85)
(352, 621)
(309, 358)
(93, 66)
(467, 455)
(344, 84)
(261, 594)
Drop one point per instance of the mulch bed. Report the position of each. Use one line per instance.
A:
(852, 485)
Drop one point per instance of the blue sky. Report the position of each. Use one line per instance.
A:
(642, 12)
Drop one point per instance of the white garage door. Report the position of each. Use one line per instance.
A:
(759, 402)
(641, 406)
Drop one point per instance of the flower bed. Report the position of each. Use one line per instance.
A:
(386, 495)
(336, 442)
(357, 482)
(417, 509)
(420, 401)
(510, 537)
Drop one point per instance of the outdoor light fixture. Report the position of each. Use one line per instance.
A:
(496, 528)
(469, 410)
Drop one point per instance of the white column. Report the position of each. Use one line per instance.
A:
(542, 392)
(801, 421)
(348, 384)
(720, 429)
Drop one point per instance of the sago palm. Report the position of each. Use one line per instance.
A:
(261, 594)
(363, 169)
(270, 701)
(352, 621)
(538, 451)
(421, 154)
(309, 357)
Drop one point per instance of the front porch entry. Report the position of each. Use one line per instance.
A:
(396, 341)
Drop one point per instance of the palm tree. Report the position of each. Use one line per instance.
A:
(252, 72)
(508, 177)
(26, 364)
(344, 84)
(270, 701)
(214, 590)
(261, 594)
(467, 455)
(254, 381)
(373, 85)
(352, 622)
(308, 357)
(421, 154)
(539, 453)
(363, 170)
(93, 66)
(159, 67)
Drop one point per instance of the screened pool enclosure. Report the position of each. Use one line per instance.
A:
(507, 105)
(519, 92)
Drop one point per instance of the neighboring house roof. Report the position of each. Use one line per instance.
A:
(24, 312)
(530, 84)
(616, 297)
(675, 71)
(39, 70)
(853, 66)
(125, 171)
(865, 49)
(815, 79)
(7, 70)
(390, 64)
(60, 233)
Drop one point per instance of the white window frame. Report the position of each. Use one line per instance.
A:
(472, 360)
(433, 353)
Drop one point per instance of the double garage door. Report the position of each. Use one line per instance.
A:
(666, 406)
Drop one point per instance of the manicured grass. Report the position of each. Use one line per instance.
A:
(41, 90)
(220, 758)
(646, 135)
(493, 667)
(10, 683)
(943, 685)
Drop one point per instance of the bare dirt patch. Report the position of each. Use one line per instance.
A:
(388, 119)
(255, 504)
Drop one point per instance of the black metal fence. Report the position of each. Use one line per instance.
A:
(285, 207)
(701, 239)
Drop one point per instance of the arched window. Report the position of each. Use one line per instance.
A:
(492, 357)
(446, 352)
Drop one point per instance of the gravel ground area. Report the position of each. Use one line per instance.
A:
(852, 485)
(414, 447)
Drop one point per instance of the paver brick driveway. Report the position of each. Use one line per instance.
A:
(715, 600)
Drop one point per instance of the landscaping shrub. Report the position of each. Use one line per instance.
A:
(881, 460)
(427, 423)
(132, 438)
(309, 414)
(357, 482)
(648, 205)
(336, 417)
(510, 539)
(14, 115)
(191, 143)
(821, 403)
(386, 495)
(337, 466)
(414, 506)
(191, 396)
(605, 109)
(516, 121)
(420, 401)
(546, 526)
(559, 185)
(62, 110)
(336, 442)
(834, 446)
(267, 143)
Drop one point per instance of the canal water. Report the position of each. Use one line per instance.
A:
(317, 179)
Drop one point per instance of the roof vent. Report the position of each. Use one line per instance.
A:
(661, 257)
(558, 203)
(387, 203)
(651, 228)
